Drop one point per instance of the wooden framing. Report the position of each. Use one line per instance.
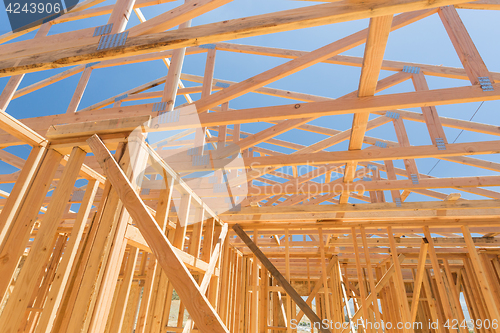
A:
(102, 231)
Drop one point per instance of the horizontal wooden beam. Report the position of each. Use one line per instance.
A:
(388, 65)
(112, 126)
(206, 190)
(183, 163)
(135, 238)
(299, 110)
(381, 241)
(215, 32)
(310, 221)
(481, 4)
(347, 106)
(379, 218)
(372, 207)
(378, 104)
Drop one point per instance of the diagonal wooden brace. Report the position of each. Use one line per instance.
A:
(313, 317)
(198, 306)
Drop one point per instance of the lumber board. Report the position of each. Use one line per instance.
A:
(279, 277)
(481, 4)
(365, 155)
(300, 110)
(216, 32)
(196, 303)
(90, 128)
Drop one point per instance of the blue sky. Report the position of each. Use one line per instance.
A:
(425, 41)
